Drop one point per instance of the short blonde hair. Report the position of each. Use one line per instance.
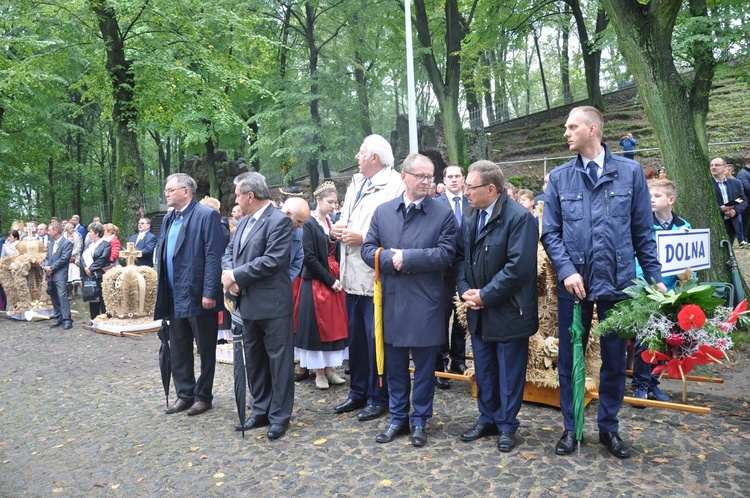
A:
(111, 228)
(524, 192)
(667, 186)
(212, 203)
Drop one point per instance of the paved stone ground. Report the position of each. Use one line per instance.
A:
(81, 414)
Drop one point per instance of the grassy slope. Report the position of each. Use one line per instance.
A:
(727, 121)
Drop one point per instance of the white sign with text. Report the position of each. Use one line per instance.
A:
(679, 250)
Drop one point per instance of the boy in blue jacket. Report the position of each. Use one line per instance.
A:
(663, 193)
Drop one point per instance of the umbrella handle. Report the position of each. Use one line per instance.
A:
(377, 264)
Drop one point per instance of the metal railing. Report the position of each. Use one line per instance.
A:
(545, 160)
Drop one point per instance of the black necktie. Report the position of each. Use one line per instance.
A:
(177, 215)
(480, 223)
(593, 172)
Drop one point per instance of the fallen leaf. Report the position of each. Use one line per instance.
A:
(58, 446)
(218, 475)
(204, 457)
(57, 490)
(661, 460)
(220, 483)
(529, 458)
(140, 479)
(637, 428)
(302, 473)
(548, 428)
(426, 490)
(702, 456)
(194, 448)
(320, 441)
(385, 482)
(115, 486)
(190, 464)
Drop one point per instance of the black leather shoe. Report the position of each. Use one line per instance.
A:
(418, 436)
(67, 326)
(276, 431)
(178, 406)
(614, 444)
(390, 433)
(252, 423)
(300, 376)
(58, 323)
(565, 444)
(457, 368)
(371, 412)
(349, 405)
(506, 441)
(479, 431)
(442, 383)
(199, 407)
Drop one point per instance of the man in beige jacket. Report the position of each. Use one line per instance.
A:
(376, 183)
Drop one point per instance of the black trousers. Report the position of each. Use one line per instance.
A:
(203, 329)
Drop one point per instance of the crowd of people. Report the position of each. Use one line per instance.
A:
(301, 280)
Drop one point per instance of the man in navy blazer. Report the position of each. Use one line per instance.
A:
(728, 191)
(59, 251)
(144, 241)
(419, 237)
(189, 291)
(256, 271)
(455, 348)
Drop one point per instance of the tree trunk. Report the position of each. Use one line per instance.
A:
(211, 167)
(591, 57)
(446, 88)
(129, 169)
(644, 34)
(487, 89)
(565, 56)
(51, 180)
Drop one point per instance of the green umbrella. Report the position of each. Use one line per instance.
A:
(579, 371)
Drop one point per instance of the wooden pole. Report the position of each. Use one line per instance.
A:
(657, 404)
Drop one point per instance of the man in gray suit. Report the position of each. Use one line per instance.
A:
(59, 251)
(256, 271)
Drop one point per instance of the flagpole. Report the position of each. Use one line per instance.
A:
(411, 99)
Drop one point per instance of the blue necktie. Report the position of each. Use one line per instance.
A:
(480, 223)
(457, 210)
(359, 194)
(593, 172)
(177, 215)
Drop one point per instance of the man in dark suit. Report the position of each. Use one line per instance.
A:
(56, 267)
(256, 270)
(189, 291)
(419, 237)
(144, 241)
(455, 338)
(496, 277)
(732, 201)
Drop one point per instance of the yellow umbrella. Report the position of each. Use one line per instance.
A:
(377, 300)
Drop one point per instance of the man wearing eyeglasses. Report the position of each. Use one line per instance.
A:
(496, 277)
(597, 214)
(144, 241)
(189, 291)
(377, 182)
(419, 237)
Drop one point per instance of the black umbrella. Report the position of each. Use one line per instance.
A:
(240, 384)
(165, 364)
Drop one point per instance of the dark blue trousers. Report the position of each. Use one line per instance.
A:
(611, 375)
(399, 383)
(501, 377)
(364, 384)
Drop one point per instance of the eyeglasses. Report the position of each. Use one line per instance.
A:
(474, 187)
(421, 178)
(168, 191)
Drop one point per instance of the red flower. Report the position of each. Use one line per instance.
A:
(653, 357)
(707, 354)
(739, 310)
(691, 316)
(675, 340)
(676, 368)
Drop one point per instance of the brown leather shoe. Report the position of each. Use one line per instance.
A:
(199, 407)
(178, 406)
